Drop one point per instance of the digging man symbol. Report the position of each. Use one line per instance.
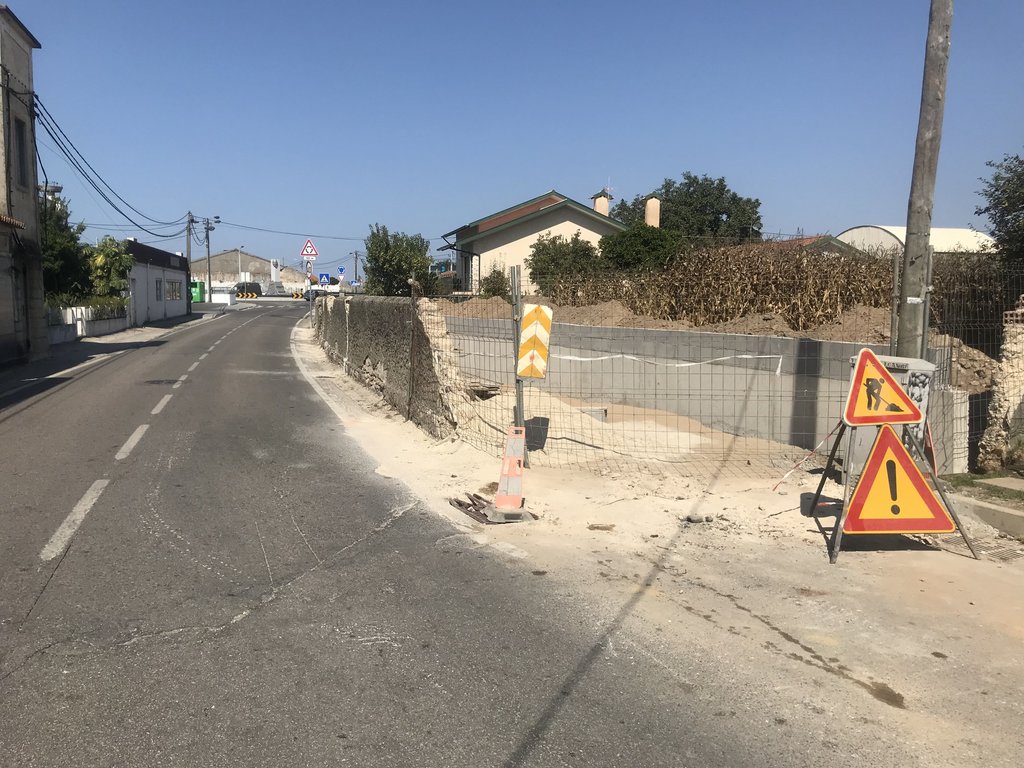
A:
(874, 391)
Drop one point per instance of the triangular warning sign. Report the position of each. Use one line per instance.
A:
(876, 397)
(892, 495)
(309, 250)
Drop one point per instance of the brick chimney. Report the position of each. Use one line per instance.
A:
(601, 201)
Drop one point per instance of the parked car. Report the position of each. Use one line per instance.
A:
(249, 288)
(312, 293)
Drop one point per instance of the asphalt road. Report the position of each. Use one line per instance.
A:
(198, 567)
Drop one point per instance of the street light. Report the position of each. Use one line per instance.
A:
(239, 251)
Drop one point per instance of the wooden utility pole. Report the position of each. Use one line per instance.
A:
(913, 323)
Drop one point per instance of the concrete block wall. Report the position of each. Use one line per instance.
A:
(787, 390)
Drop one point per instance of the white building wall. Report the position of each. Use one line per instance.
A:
(157, 293)
(510, 247)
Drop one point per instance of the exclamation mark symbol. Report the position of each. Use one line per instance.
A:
(890, 470)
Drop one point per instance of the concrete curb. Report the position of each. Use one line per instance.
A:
(1005, 519)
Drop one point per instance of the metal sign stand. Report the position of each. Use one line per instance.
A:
(518, 417)
(836, 540)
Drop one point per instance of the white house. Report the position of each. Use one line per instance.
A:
(158, 282)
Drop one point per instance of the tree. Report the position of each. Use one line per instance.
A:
(109, 264)
(700, 209)
(552, 256)
(640, 246)
(1004, 195)
(65, 258)
(393, 258)
(496, 283)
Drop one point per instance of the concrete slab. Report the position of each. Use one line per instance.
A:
(1005, 519)
(1011, 483)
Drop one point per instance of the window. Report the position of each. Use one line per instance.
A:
(20, 152)
(174, 290)
(159, 289)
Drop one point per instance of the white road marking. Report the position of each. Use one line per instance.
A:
(204, 355)
(161, 404)
(193, 366)
(211, 348)
(67, 529)
(132, 441)
(180, 381)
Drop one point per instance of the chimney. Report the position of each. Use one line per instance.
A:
(601, 201)
(652, 211)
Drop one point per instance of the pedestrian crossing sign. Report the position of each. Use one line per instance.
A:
(876, 397)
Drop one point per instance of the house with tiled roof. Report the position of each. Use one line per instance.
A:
(504, 239)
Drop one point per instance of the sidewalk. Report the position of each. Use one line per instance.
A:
(17, 377)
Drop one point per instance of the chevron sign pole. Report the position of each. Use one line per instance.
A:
(534, 338)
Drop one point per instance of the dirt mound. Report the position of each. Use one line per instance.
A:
(973, 370)
(612, 314)
(494, 307)
(870, 325)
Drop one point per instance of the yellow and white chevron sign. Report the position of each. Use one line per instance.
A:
(534, 337)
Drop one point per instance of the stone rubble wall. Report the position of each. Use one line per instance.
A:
(1003, 441)
(391, 346)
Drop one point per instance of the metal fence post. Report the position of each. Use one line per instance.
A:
(517, 317)
(412, 348)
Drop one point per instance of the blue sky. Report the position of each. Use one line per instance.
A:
(323, 118)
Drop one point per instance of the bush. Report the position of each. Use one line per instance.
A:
(496, 283)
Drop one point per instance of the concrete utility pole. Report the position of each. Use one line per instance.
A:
(913, 323)
(188, 255)
(207, 229)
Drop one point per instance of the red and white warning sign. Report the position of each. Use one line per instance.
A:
(892, 495)
(309, 250)
(876, 397)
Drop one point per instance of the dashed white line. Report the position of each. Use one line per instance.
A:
(67, 529)
(211, 348)
(161, 404)
(132, 441)
(180, 381)
(204, 355)
(193, 366)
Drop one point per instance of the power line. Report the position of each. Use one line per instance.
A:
(77, 161)
(49, 119)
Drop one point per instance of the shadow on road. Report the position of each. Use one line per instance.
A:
(19, 383)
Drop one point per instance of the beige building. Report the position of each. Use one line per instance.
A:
(504, 239)
(23, 325)
(237, 265)
(869, 237)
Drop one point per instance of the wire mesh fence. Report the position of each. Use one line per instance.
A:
(750, 393)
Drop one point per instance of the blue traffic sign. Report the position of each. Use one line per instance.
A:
(341, 270)
(325, 279)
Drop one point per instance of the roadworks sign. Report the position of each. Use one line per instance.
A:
(534, 338)
(892, 495)
(876, 397)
